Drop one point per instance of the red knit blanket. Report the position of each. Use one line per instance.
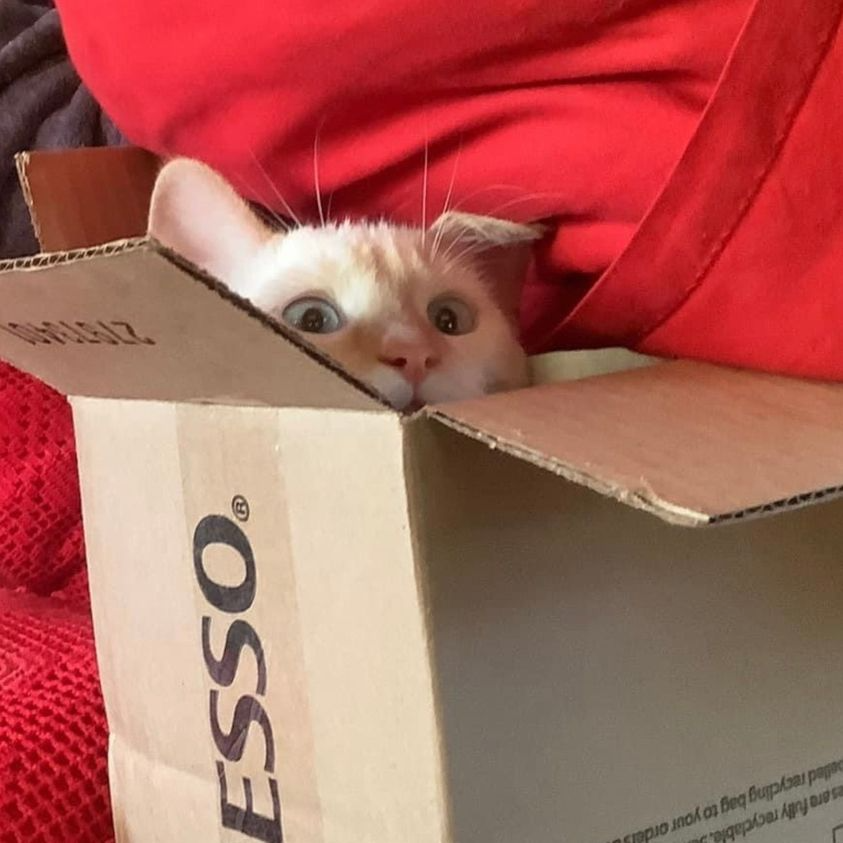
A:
(53, 736)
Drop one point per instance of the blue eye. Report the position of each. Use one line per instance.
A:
(313, 315)
(451, 315)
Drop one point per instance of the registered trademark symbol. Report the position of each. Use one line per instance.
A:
(240, 508)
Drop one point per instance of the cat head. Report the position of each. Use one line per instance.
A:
(422, 316)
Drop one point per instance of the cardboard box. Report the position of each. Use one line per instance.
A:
(600, 610)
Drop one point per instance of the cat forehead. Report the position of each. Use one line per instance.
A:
(379, 254)
(371, 270)
(370, 248)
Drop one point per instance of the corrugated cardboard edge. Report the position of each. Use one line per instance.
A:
(642, 497)
(793, 502)
(44, 260)
(22, 167)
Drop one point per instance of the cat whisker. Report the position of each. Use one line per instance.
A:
(472, 248)
(526, 197)
(457, 241)
(518, 200)
(263, 208)
(316, 177)
(328, 209)
(424, 192)
(437, 240)
(403, 204)
(480, 191)
(450, 247)
(281, 199)
(447, 254)
(276, 218)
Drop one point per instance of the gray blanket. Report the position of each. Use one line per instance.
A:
(43, 105)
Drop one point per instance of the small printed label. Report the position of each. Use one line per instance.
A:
(112, 332)
(737, 816)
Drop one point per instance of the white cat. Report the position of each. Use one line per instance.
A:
(422, 316)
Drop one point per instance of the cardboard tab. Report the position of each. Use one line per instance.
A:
(127, 321)
(689, 442)
(86, 197)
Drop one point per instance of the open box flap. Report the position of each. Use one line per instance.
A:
(86, 197)
(690, 442)
(129, 320)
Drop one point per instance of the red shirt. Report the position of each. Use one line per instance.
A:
(685, 152)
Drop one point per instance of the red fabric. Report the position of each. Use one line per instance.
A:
(574, 112)
(740, 260)
(53, 738)
(41, 544)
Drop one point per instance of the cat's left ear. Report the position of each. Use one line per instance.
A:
(501, 248)
(199, 214)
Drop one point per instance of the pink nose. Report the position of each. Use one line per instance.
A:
(413, 361)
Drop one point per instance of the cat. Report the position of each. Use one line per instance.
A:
(421, 315)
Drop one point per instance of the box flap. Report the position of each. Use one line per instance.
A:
(690, 442)
(131, 320)
(86, 197)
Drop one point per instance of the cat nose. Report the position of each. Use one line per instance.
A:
(414, 363)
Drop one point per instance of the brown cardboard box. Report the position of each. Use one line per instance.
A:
(600, 610)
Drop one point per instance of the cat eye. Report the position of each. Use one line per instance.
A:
(313, 316)
(450, 315)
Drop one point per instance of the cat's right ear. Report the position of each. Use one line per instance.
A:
(198, 214)
(500, 248)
